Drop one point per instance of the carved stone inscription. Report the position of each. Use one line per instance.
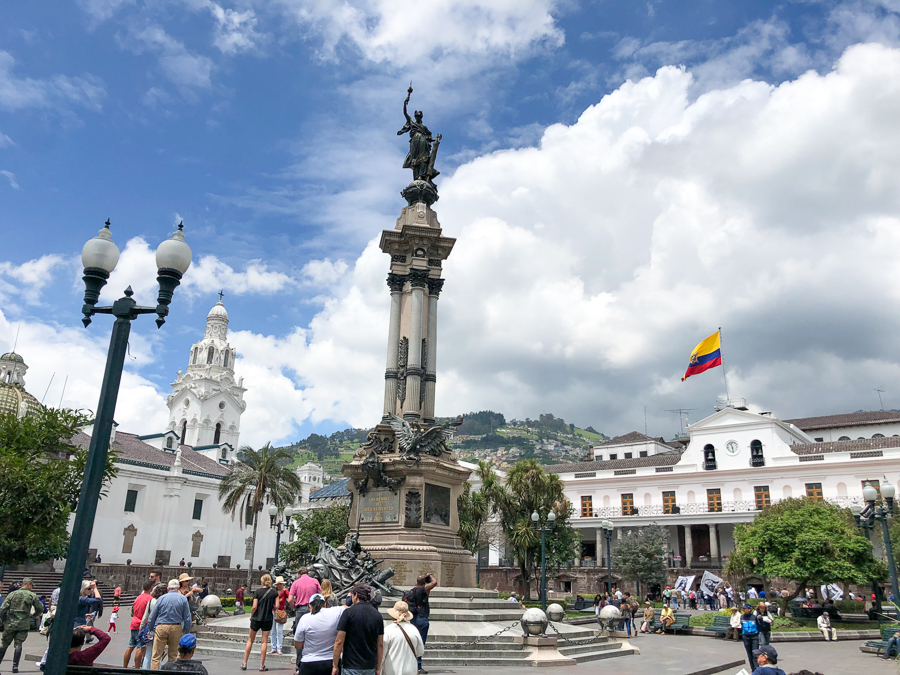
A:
(380, 506)
(437, 504)
(128, 543)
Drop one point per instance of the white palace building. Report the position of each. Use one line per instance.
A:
(732, 464)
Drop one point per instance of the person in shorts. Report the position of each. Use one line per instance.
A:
(261, 620)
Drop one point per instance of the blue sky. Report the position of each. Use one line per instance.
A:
(270, 129)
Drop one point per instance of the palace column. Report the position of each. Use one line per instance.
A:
(395, 283)
(713, 542)
(430, 379)
(688, 546)
(412, 405)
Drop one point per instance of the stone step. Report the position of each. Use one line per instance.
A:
(603, 654)
(468, 603)
(586, 648)
(456, 592)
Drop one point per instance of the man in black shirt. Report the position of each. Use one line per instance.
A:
(417, 599)
(360, 636)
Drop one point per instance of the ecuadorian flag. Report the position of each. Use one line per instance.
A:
(706, 355)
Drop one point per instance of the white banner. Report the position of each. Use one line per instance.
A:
(709, 583)
(832, 591)
(684, 583)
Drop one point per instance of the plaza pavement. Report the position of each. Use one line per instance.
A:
(660, 655)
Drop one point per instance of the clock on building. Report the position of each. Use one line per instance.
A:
(732, 448)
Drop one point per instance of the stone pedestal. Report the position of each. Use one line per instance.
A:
(413, 527)
(544, 651)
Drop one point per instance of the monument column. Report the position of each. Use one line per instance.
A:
(395, 283)
(412, 405)
(430, 379)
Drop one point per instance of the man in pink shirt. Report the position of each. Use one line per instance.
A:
(137, 613)
(303, 588)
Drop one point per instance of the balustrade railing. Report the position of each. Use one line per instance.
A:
(742, 506)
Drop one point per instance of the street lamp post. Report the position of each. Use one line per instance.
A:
(279, 524)
(99, 257)
(607, 527)
(856, 510)
(874, 512)
(543, 528)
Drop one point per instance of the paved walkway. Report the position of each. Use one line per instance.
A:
(660, 655)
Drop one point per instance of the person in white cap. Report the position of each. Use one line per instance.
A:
(403, 644)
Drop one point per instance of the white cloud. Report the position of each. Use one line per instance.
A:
(74, 358)
(6, 141)
(11, 177)
(386, 32)
(235, 31)
(323, 272)
(177, 63)
(25, 282)
(586, 268)
(101, 10)
(57, 91)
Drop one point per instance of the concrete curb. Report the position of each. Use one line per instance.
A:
(803, 635)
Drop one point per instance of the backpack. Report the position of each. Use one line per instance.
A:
(413, 599)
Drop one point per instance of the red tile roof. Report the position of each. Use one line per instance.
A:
(858, 418)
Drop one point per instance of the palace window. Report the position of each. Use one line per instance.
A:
(198, 509)
(627, 455)
(587, 507)
(613, 455)
(756, 454)
(814, 491)
(628, 505)
(763, 498)
(877, 435)
(669, 502)
(131, 501)
(217, 435)
(169, 442)
(714, 500)
(642, 453)
(844, 438)
(709, 457)
(875, 483)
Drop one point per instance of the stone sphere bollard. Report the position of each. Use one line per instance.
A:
(609, 616)
(534, 622)
(555, 612)
(211, 606)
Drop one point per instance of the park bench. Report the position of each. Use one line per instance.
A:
(581, 604)
(720, 626)
(682, 622)
(886, 634)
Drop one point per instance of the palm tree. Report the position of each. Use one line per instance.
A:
(258, 478)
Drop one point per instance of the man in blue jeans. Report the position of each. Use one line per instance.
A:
(417, 599)
(893, 643)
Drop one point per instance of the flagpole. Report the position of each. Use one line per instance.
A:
(724, 373)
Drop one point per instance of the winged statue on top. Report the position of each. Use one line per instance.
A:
(415, 441)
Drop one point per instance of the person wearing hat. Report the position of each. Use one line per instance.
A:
(766, 657)
(734, 627)
(170, 619)
(184, 585)
(749, 633)
(185, 663)
(824, 624)
(279, 617)
(403, 645)
(648, 617)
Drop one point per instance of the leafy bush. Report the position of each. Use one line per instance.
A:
(851, 606)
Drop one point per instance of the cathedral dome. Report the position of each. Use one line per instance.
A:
(12, 396)
(218, 310)
(12, 356)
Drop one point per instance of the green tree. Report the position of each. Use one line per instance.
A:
(641, 554)
(808, 541)
(41, 472)
(530, 488)
(258, 478)
(329, 524)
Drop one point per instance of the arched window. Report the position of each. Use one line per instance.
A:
(218, 434)
(709, 457)
(224, 453)
(756, 454)
(225, 359)
(691, 497)
(877, 435)
(738, 495)
(210, 354)
(169, 442)
(194, 356)
(184, 432)
(844, 438)
(787, 492)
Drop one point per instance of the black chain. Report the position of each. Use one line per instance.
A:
(561, 637)
(476, 641)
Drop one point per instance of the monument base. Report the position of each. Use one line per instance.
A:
(407, 516)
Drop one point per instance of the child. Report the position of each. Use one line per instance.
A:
(112, 619)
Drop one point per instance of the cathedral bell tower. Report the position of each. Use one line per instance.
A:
(206, 403)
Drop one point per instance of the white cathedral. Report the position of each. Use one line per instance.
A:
(163, 505)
